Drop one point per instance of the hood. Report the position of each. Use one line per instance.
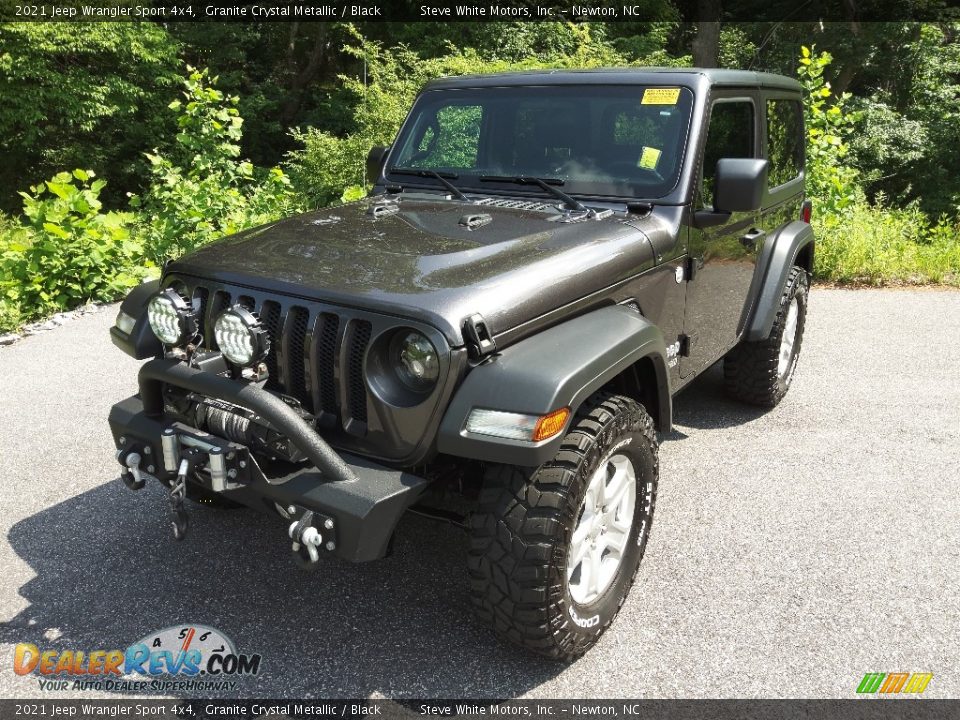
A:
(414, 257)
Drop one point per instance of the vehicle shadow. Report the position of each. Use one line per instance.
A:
(108, 572)
(705, 405)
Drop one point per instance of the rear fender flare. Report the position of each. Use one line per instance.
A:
(777, 257)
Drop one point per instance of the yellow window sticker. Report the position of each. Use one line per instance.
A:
(660, 96)
(649, 158)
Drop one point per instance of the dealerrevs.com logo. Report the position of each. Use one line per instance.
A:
(181, 657)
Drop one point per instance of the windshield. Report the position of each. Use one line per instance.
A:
(607, 141)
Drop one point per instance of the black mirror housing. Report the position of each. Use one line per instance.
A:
(375, 158)
(740, 184)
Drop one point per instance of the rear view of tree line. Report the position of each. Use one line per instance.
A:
(124, 154)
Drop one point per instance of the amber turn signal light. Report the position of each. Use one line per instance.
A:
(549, 425)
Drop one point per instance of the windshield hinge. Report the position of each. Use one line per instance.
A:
(480, 342)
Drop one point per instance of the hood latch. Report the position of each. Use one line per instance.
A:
(480, 342)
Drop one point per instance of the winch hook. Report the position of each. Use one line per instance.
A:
(189, 461)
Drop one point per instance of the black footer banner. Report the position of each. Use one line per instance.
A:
(853, 709)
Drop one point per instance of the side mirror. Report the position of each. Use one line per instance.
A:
(739, 184)
(375, 158)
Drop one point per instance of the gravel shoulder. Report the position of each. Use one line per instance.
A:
(792, 551)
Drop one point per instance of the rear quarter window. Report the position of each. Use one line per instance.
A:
(784, 140)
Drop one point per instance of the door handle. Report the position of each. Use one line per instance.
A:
(750, 239)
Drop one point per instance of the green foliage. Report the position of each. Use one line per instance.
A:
(81, 95)
(886, 147)
(327, 163)
(11, 234)
(737, 50)
(933, 102)
(353, 193)
(882, 158)
(829, 179)
(68, 251)
(860, 242)
(877, 246)
(646, 43)
(204, 191)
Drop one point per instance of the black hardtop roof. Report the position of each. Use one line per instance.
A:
(690, 77)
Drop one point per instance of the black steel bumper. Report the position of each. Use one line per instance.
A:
(356, 503)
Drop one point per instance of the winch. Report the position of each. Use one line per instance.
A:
(241, 426)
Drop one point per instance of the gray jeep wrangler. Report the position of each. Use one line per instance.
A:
(494, 336)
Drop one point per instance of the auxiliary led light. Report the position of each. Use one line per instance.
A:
(240, 337)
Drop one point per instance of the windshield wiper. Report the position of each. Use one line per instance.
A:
(442, 177)
(547, 184)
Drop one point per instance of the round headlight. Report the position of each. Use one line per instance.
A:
(415, 360)
(171, 318)
(241, 338)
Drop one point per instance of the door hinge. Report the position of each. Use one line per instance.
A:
(480, 342)
(693, 265)
(686, 343)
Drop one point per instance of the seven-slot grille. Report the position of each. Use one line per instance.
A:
(316, 354)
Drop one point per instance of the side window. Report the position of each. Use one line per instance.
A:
(449, 141)
(784, 140)
(730, 135)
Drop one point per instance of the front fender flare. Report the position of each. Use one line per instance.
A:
(559, 367)
(141, 343)
(778, 256)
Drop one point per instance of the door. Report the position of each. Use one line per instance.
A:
(723, 257)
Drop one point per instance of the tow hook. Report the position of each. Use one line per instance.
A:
(130, 458)
(306, 539)
(130, 474)
(190, 460)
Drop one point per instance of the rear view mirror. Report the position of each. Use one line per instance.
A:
(739, 184)
(375, 158)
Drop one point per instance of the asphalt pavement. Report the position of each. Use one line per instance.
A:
(792, 550)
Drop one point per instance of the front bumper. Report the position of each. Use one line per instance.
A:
(355, 503)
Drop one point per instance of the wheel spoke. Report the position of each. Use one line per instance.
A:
(615, 539)
(789, 337)
(596, 585)
(623, 481)
(581, 532)
(598, 485)
(593, 499)
(587, 573)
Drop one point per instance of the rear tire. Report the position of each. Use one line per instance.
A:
(760, 372)
(554, 550)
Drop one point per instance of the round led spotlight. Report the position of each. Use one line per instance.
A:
(241, 337)
(415, 361)
(171, 318)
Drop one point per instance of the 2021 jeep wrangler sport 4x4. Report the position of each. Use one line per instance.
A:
(545, 260)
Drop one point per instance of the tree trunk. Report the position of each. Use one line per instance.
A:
(706, 44)
(302, 78)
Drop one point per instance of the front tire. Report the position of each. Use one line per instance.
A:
(760, 372)
(554, 550)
